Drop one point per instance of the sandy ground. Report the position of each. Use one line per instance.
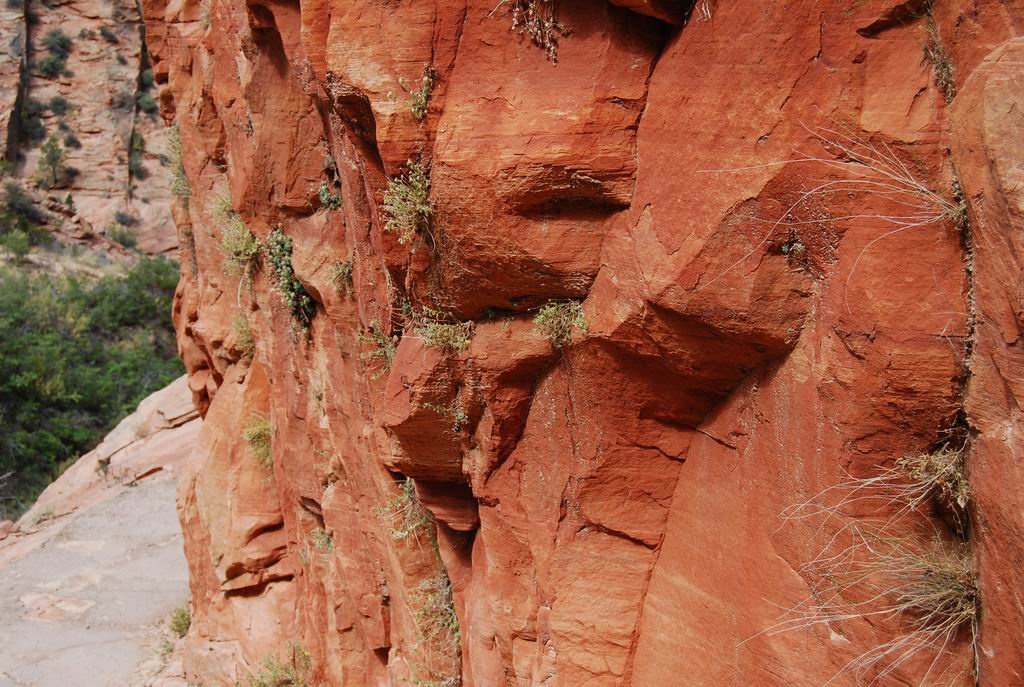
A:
(85, 609)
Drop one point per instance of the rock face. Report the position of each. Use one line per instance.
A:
(793, 230)
(99, 107)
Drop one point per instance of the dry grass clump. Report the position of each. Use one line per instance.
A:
(245, 342)
(441, 331)
(558, 319)
(322, 540)
(538, 19)
(383, 348)
(407, 204)
(436, 620)
(341, 277)
(180, 621)
(403, 516)
(258, 435)
(240, 246)
(180, 185)
(877, 564)
(294, 670)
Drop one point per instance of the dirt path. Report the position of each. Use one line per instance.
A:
(84, 609)
(90, 574)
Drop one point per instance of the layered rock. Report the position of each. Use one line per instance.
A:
(793, 268)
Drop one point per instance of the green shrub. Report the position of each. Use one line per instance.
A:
(329, 200)
(258, 435)
(52, 170)
(180, 621)
(146, 79)
(59, 105)
(124, 236)
(407, 204)
(136, 149)
(76, 356)
(421, 96)
(50, 66)
(19, 205)
(147, 104)
(125, 219)
(71, 141)
(108, 35)
(383, 349)
(558, 319)
(31, 120)
(57, 42)
(296, 670)
(18, 242)
(279, 257)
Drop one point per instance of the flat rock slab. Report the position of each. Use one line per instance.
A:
(84, 608)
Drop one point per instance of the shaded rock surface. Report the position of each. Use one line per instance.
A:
(793, 242)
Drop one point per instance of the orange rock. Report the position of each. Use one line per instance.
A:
(756, 211)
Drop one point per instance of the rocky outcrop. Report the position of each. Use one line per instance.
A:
(98, 102)
(790, 226)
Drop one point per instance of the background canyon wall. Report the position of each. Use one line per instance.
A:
(795, 231)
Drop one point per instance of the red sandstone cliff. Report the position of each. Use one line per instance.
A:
(795, 230)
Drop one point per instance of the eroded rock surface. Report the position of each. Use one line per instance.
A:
(793, 242)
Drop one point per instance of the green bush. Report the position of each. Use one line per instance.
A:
(59, 105)
(76, 356)
(32, 127)
(558, 319)
(108, 35)
(331, 201)
(147, 104)
(443, 332)
(19, 206)
(123, 235)
(57, 43)
(279, 255)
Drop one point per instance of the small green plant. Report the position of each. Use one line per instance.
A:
(58, 46)
(436, 620)
(454, 410)
(180, 621)
(180, 186)
(52, 170)
(258, 435)
(136, 149)
(341, 276)
(240, 246)
(146, 79)
(123, 235)
(32, 127)
(108, 34)
(147, 104)
(125, 219)
(71, 141)
(20, 205)
(942, 65)
(558, 319)
(407, 204)
(279, 256)
(59, 105)
(329, 200)
(421, 96)
(245, 342)
(295, 670)
(538, 20)
(322, 540)
(404, 517)
(18, 242)
(441, 331)
(383, 349)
